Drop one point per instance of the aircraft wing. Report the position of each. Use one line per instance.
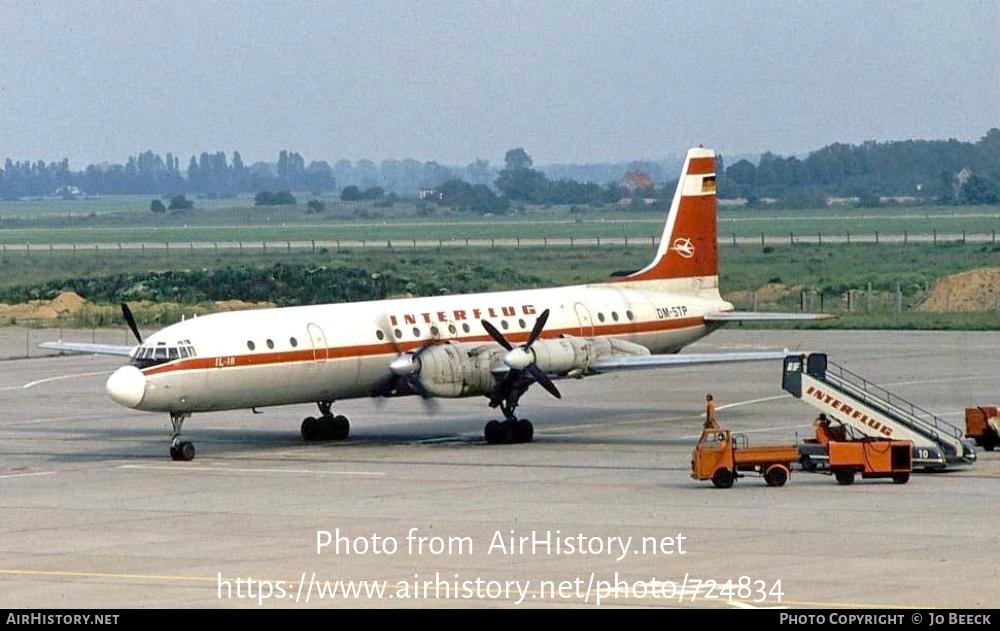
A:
(642, 362)
(765, 316)
(91, 349)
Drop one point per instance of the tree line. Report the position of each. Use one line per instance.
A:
(939, 171)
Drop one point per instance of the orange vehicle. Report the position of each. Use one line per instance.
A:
(721, 456)
(872, 458)
(982, 424)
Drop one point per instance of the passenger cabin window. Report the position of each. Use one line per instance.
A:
(294, 342)
(251, 345)
(614, 316)
(600, 316)
(270, 343)
(380, 335)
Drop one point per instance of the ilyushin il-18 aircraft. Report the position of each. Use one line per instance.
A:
(494, 344)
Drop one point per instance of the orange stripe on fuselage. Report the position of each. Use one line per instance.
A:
(387, 348)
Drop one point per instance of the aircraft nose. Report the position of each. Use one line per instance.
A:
(127, 386)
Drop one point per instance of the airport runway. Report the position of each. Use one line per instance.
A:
(94, 514)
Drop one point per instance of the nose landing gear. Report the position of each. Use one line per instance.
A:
(181, 450)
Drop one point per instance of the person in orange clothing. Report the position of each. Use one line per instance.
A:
(710, 420)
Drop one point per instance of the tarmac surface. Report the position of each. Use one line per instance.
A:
(96, 515)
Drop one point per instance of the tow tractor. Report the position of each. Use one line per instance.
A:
(982, 424)
(722, 457)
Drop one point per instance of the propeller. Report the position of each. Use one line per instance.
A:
(404, 371)
(130, 321)
(521, 359)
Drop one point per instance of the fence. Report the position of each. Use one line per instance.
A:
(21, 341)
(318, 245)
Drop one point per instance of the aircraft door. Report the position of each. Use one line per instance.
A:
(318, 339)
(586, 323)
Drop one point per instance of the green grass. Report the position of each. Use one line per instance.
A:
(127, 219)
(827, 271)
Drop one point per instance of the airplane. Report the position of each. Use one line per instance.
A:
(488, 344)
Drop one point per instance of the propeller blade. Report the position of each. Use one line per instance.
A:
(130, 321)
(496, 335)
(429, 401)
(544, 381)
(537, 329)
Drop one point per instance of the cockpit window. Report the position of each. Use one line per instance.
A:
(146, 356)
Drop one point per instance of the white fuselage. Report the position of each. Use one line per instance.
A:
(340, 351)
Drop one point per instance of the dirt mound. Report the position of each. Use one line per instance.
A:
(66, 303)
(975, 290)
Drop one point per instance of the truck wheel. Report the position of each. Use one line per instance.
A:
(723, 478)
(776, 475)
(901, 478)
(989, 443)
(844, 476)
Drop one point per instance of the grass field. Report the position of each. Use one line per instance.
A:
(826, 272)
(127, 219)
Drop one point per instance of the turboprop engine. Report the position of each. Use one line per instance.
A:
(448, 370)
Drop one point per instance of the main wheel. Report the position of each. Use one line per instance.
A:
(723, 478)
(175, 452)
(185, 451)
(524, 431)
(844, 476)
(492, 432)
(309, 429)
(776, 475)
(341, 427)
(901, 478)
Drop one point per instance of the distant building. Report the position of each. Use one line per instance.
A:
(429, 193)
(636, 181)
(69, 192)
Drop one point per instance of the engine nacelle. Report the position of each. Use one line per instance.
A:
(452, 371)
(575, 354)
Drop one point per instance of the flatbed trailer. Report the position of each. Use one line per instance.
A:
(723, 457)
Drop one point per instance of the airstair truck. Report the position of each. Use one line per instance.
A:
(874, 411)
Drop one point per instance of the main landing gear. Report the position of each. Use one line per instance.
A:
(512, 429)
(179, 449)
(327, 426)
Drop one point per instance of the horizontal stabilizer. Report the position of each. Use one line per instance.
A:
(92, 349)
(641, 362)
(765, 316)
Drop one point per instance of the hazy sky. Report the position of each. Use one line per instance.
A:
(575, 81)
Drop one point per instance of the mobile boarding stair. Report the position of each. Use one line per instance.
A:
(874, 411)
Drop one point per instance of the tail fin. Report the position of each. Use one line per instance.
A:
(689, 246)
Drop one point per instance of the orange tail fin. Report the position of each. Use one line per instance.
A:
(689, 246)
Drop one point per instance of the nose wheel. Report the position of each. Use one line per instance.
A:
(180, 450)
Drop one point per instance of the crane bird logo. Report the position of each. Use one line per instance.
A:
(683, 246)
